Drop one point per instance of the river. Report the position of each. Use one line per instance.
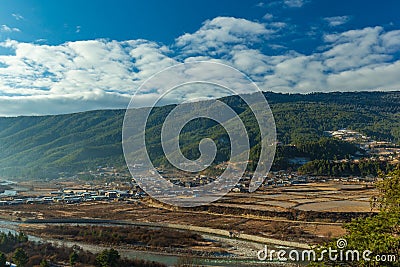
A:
(8, 192)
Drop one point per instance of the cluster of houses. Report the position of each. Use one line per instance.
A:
(193, 182)
(288, 178)
(377, 150)
(71, 196)
(348, 135)
(276, 179)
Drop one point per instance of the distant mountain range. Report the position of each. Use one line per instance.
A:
(44, 146)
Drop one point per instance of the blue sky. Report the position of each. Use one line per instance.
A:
(67, 56)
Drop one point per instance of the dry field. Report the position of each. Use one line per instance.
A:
(329, 197)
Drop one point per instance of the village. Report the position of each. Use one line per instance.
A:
(375, 150)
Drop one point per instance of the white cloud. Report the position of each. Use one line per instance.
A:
(215, 36)
(17, 16)
(277, 24)
(378, 77)
(5, 28)
(81, 71)
(336, 21)
(352, 60)
(250, 61)
(294, 3)
(391, 41)
(356, 48)
(94, 74)
(41, 40)
(268, 16)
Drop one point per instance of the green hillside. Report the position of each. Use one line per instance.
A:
(43, 146)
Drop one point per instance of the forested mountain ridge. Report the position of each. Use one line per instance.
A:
(43, 146)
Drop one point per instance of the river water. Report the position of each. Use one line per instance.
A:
(8, 193)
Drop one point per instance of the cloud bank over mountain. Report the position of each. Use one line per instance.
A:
(37, 78)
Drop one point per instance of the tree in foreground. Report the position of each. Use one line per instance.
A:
(108, 258)
(379, 234)
(44, 263)
(73, 258)
(20, 258)
(3, 259)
